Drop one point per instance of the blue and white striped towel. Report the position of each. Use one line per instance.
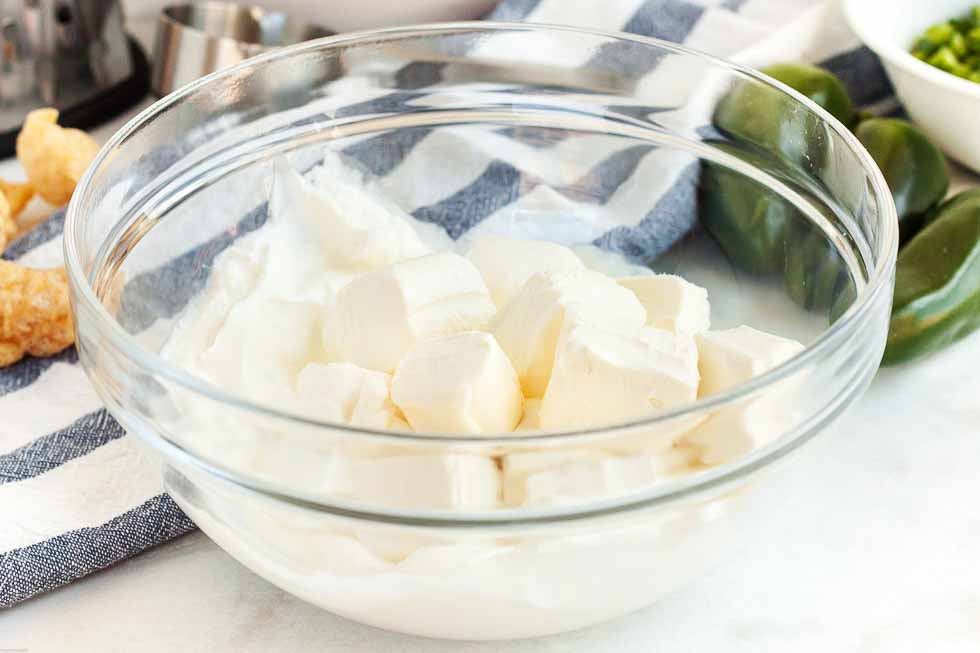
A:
(75, 494)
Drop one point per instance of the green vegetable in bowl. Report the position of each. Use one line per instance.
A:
(914, 168)
(937, 282)
(953, 46)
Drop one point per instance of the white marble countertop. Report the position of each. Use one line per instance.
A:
(871, 546)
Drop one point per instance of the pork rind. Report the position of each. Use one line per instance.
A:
(8, 226)
(35, 317)
(18, 195)
(53, 157)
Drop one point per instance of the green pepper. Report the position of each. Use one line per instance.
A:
(914, 168)
(966, 198)
(746, 219)
(771, 121)
(815, 274)
(821, 86)
(937, 283)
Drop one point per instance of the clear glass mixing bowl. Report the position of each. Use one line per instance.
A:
(563, 134)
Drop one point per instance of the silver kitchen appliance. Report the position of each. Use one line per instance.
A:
(73, 55)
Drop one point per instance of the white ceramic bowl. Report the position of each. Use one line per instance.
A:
(945, 106)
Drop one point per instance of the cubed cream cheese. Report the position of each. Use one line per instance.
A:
(234, 275)
(507, 263)
(262, 346)
(448, 481)
(352, 226)
(734, 431)
(531, 421)
(462, 383)
(346, 393)
(601, 377)
(528, 327)
(554, 477)
(380, 315)
(727, 358)
(671, 302)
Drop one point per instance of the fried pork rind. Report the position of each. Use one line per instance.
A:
(35, 317)
(53, 157)
(18, 195)
(8, 226)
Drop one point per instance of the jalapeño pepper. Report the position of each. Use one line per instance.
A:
(937, 282)
(914, 168)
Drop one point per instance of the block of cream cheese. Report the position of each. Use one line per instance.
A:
(734, 431)
(462, 383)
(507, 263)
(382, 314)
(600, 376)
(671, 302)
(529, 326)
(346, 393)
(262, 346)
(552, 477)
(531, 421)
(730, 357)
(353, 227)
(448, 481)
(234, 276)
(727, 358)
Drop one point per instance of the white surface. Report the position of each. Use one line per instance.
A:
(944, 105)
(871, 548)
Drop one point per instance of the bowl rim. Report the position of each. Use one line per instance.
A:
(896, 54)
(847, 324)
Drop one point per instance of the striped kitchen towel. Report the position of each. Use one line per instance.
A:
(76, 495)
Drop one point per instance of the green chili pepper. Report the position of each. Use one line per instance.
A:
(815, 274)
(914, 168)
(937, 283)
(966, 198)
(766, 118)
(821, 86)
(746, 219)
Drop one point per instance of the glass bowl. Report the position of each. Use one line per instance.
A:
(678, 161)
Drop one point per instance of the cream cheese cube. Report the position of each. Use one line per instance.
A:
(555, 477)
(734, 431)
(429, 481)
(601, 377)
(531, 421)
(528, 328)
(346, 393)
(507, 263)
(262, 346)
(517, 467)
(352, 226)
(380, 315)
(671, 303)
(727, 358)
(461, 383)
